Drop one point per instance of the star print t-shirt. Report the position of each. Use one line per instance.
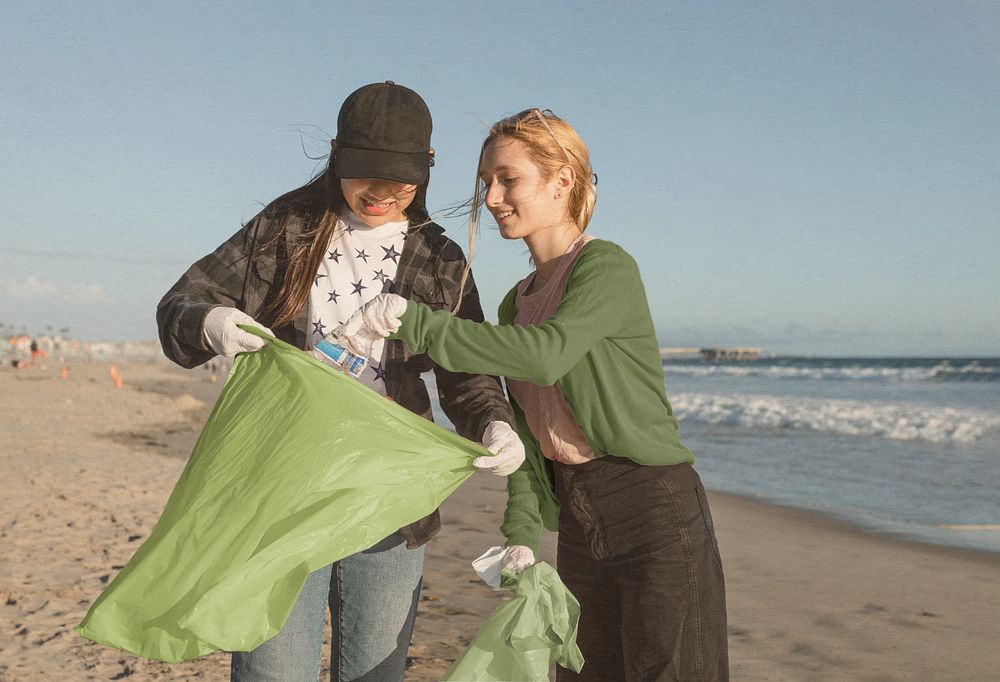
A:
(360, 264)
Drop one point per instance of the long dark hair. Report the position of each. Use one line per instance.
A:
(309, 249)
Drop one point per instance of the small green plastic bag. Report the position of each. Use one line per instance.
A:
(297, 467)
(523, 637)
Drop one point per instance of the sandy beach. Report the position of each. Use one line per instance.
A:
(87, 469)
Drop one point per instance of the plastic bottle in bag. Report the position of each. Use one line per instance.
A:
(332, 351)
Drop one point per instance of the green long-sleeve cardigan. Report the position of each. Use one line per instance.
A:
(600, 346)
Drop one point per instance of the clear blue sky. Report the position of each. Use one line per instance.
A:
(811, 177)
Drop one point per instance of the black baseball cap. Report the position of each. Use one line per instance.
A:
(384, 131)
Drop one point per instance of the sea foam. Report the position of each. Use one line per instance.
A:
(942, 371)
(849, 417)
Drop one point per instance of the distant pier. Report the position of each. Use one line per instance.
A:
(717, 354)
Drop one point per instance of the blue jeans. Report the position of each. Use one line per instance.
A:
(373, 599)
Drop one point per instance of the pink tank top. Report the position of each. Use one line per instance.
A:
(545, 409)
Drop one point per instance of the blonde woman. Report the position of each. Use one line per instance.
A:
(605, 464)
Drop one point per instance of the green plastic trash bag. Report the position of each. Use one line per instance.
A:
(523, 637)
(297, 467)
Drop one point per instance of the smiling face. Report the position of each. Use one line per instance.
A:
(377, 201)
(522, 201)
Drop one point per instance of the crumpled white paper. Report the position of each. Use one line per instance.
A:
(488, 566)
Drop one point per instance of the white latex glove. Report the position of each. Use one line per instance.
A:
(517, 558)
(376, 319)
(507, 447)
(225, 338)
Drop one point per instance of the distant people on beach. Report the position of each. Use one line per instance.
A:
(605, 464)
(37, 352)
(26, 352)
(304, 265)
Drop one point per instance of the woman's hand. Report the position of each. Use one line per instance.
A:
(376, 319)
(224, 336)
(507, 449)
(517, 558)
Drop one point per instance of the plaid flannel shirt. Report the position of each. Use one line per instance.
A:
(247, 270)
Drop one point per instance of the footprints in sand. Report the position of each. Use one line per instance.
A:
(920, 619)
(835, 644)
(81, 507)
(174, 439)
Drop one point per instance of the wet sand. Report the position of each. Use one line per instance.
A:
(87, 469)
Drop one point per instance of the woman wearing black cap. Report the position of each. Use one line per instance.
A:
(302, 267)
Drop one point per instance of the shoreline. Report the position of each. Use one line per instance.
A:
(848, 524)
(811, 597)
(820, 598)
(834, 524)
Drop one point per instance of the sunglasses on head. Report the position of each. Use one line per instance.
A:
(540, 114)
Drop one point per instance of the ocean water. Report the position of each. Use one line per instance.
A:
(909, 447)
(905, 446)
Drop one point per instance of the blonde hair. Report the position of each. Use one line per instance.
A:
(552, 143)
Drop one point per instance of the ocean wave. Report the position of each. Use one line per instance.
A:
(943, 371)
(848, 417)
